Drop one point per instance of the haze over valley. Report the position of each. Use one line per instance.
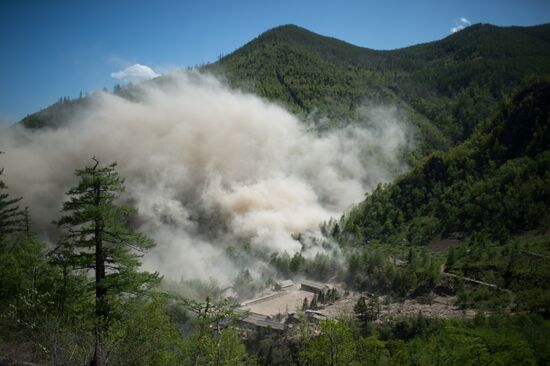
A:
(207, 167)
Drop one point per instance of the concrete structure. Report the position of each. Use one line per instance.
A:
(276, 308)
(313, 286)
(260, 321)
(283, 302)
(284, 284)
(262, 298)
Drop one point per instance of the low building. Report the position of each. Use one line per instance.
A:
(313, 286)
(284, 284)
(260, 321)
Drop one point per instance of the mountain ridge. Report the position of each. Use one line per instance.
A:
(445, 87)
(470, 70)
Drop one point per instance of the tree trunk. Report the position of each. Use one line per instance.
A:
(101, 308)
(98, 359)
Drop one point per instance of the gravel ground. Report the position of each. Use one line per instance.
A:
(288, 302)
(441, 307)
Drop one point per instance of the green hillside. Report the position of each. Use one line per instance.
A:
(496, 183)
(446, 86)
(56, 114)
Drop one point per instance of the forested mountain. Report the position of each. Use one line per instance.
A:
(56, 114)
(496, 182)
(445, 87)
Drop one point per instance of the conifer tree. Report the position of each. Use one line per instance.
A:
(21, 259)
(313, 304)
(11, 215)
(10, 223)
(321, 299)
(305, 304)
(361, 311)
(98, 238)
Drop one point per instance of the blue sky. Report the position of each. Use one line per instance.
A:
(53, 48)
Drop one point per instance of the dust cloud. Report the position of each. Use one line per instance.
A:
(207, 167)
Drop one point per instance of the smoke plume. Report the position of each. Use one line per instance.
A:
(207, 167)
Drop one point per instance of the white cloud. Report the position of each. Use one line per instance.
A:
(135, 73)
(460, 24)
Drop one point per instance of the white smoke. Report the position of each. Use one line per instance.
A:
(207, 167)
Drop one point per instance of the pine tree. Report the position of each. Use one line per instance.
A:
(361, 311)
(305, 304)
(313, 304)
(98, 238)
(11, 217)
(321, 298)
(373, 308)
(21, 260)
(367, 312)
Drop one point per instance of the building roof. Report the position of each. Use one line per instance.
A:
(260, 320)
(285, 283)
(315, 285)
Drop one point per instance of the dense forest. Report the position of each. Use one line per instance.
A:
(445, 86)
(496, 182)
(469, 222)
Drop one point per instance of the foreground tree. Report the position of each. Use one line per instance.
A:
(98, 238)
(213, 340)
(10, 223)
(11, 216)
(334, 346)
